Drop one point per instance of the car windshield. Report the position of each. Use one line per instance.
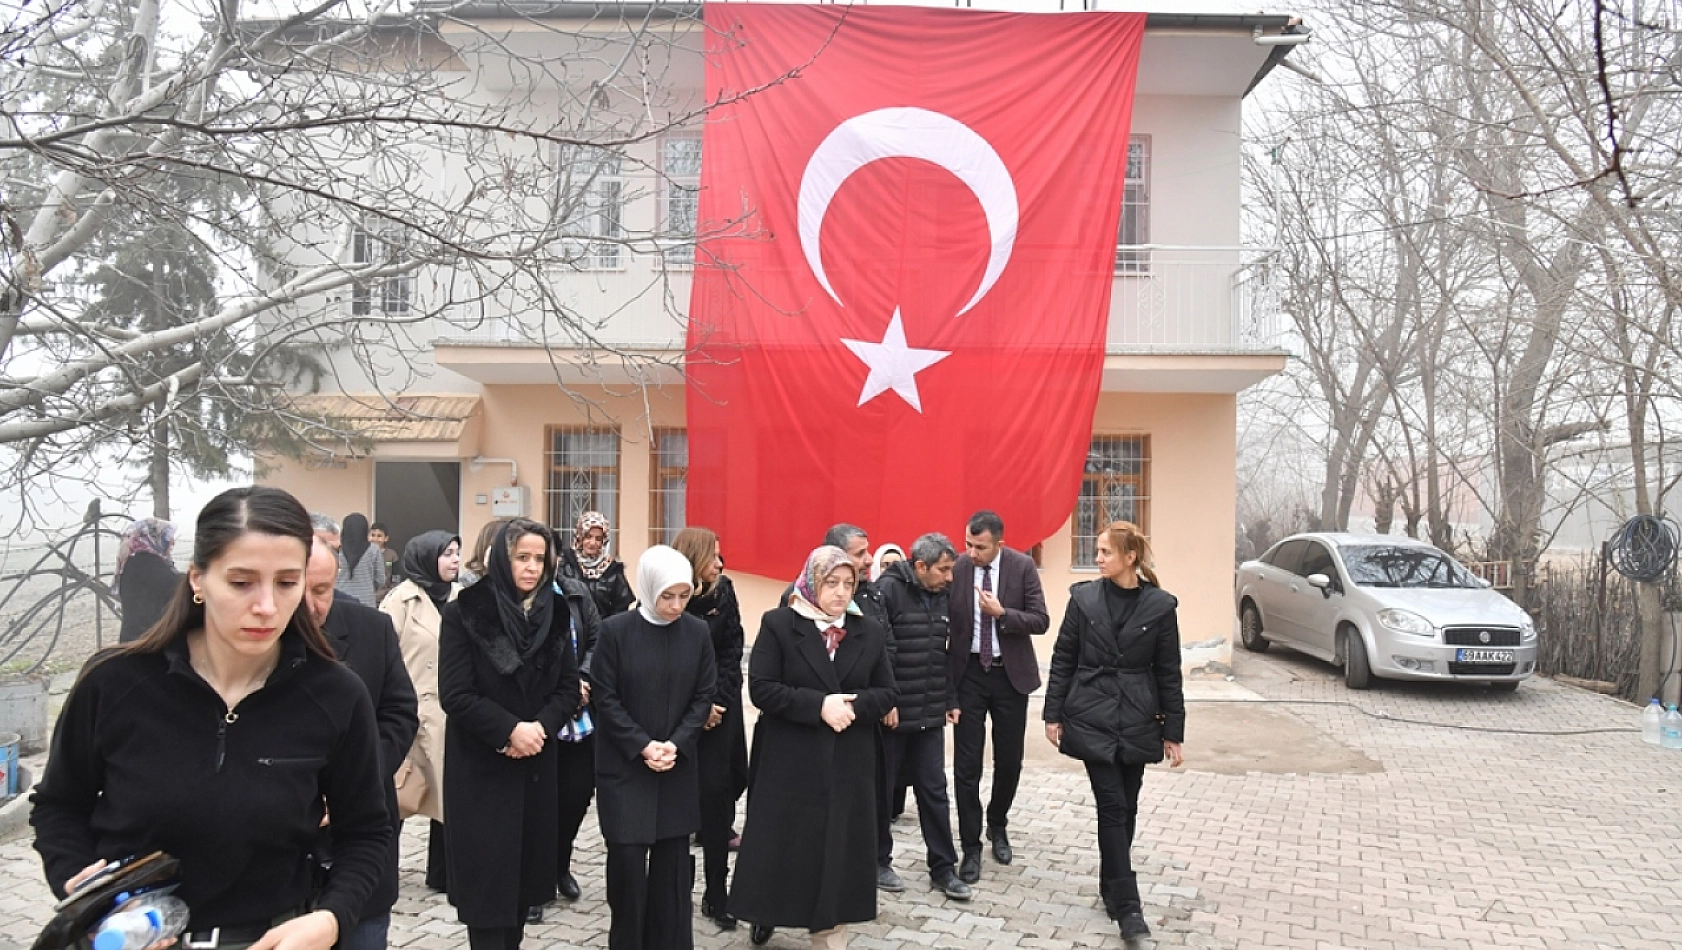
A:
(1394, 565)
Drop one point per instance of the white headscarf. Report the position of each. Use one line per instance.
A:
(659, 567)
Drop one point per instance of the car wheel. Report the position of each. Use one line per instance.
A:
(1250, 630)
(1357, 672)
(1505, 686)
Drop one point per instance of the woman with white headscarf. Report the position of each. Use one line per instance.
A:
(652, 680)
(822, 681)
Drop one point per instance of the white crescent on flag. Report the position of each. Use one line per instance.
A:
(909, 133)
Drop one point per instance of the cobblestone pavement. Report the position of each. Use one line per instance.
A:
(1461, 838)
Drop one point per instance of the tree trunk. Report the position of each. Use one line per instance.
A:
(157, 479)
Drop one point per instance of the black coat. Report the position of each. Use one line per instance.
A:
(146, 757)
(917, 624)
(724, 747)
(611, 590)
(364, 640)
(808, 855)
(1117, 693)
(500, 813)
(583, 606)
(649, 684)
(147, 585)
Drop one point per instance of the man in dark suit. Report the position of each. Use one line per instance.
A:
(364, 640)
(997, 605)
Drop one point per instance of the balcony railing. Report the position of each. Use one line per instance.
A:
(1167, 298)
(1186, 298)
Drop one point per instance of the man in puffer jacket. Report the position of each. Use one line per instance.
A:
(913, 595)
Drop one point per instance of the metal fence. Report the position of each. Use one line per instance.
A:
(1589, 619)
(58, 603)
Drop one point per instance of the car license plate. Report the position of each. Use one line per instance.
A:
(1483, 656)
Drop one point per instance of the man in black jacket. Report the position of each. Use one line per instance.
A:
(364, 640)
(915, 601)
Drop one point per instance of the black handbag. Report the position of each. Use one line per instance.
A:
(79, 912)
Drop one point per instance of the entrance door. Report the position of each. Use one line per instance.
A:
(411, 498)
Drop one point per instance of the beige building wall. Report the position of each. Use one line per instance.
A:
(1192, 486)
(335, 487)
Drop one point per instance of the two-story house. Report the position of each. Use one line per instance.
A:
(518, 414)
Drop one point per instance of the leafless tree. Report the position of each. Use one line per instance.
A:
(1493, 186)
(374, 175)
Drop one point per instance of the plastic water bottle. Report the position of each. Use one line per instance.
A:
(1650, 718)
(1670, 729)
(141, 921)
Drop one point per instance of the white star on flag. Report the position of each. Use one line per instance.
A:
(893, 365)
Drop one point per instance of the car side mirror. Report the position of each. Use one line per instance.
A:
(1325, 585)
(1483, 582)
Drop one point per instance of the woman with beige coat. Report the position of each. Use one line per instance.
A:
(429, 567)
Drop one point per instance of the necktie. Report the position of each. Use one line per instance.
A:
(988, 650)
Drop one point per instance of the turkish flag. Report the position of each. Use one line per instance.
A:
(907, 230)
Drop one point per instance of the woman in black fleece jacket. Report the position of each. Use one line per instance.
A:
(220, 737)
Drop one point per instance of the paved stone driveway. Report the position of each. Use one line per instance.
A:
(1447, 838)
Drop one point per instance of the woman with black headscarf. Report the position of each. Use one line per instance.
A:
(361, 565)
(508, 681)
(430, 564)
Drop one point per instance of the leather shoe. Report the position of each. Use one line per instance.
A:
(718, 915)
(969, 871)
(534, 914)
(1133, 925)
(1001, 845)
(887, 880)
(947, 883)
(568, 887)
(761, 934)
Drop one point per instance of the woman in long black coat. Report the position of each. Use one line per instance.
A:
(1114, 700)
(822, 681)
(724, 745)
(508, 682)
(146, 578)
(652, 677)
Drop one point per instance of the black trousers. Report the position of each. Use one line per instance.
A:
(436, 863)
(650, 891)
(980, 695)
(722, 760)
(920, 758)
(1115, 789)
(577, 764)
(495, 938)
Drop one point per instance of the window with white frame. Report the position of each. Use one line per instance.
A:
(583, 475)
(590, 202)
(668, 483)
(376, 243)
(1116, 486)
(1135, 210)
(680, 195)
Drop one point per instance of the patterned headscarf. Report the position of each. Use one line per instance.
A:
(149, 535)
(593, 567)
(820, 564)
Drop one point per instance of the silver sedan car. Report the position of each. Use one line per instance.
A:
(1383, 606)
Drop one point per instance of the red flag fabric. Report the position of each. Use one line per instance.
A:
(907, 227)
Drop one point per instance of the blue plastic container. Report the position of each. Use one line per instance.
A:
(9, 742)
